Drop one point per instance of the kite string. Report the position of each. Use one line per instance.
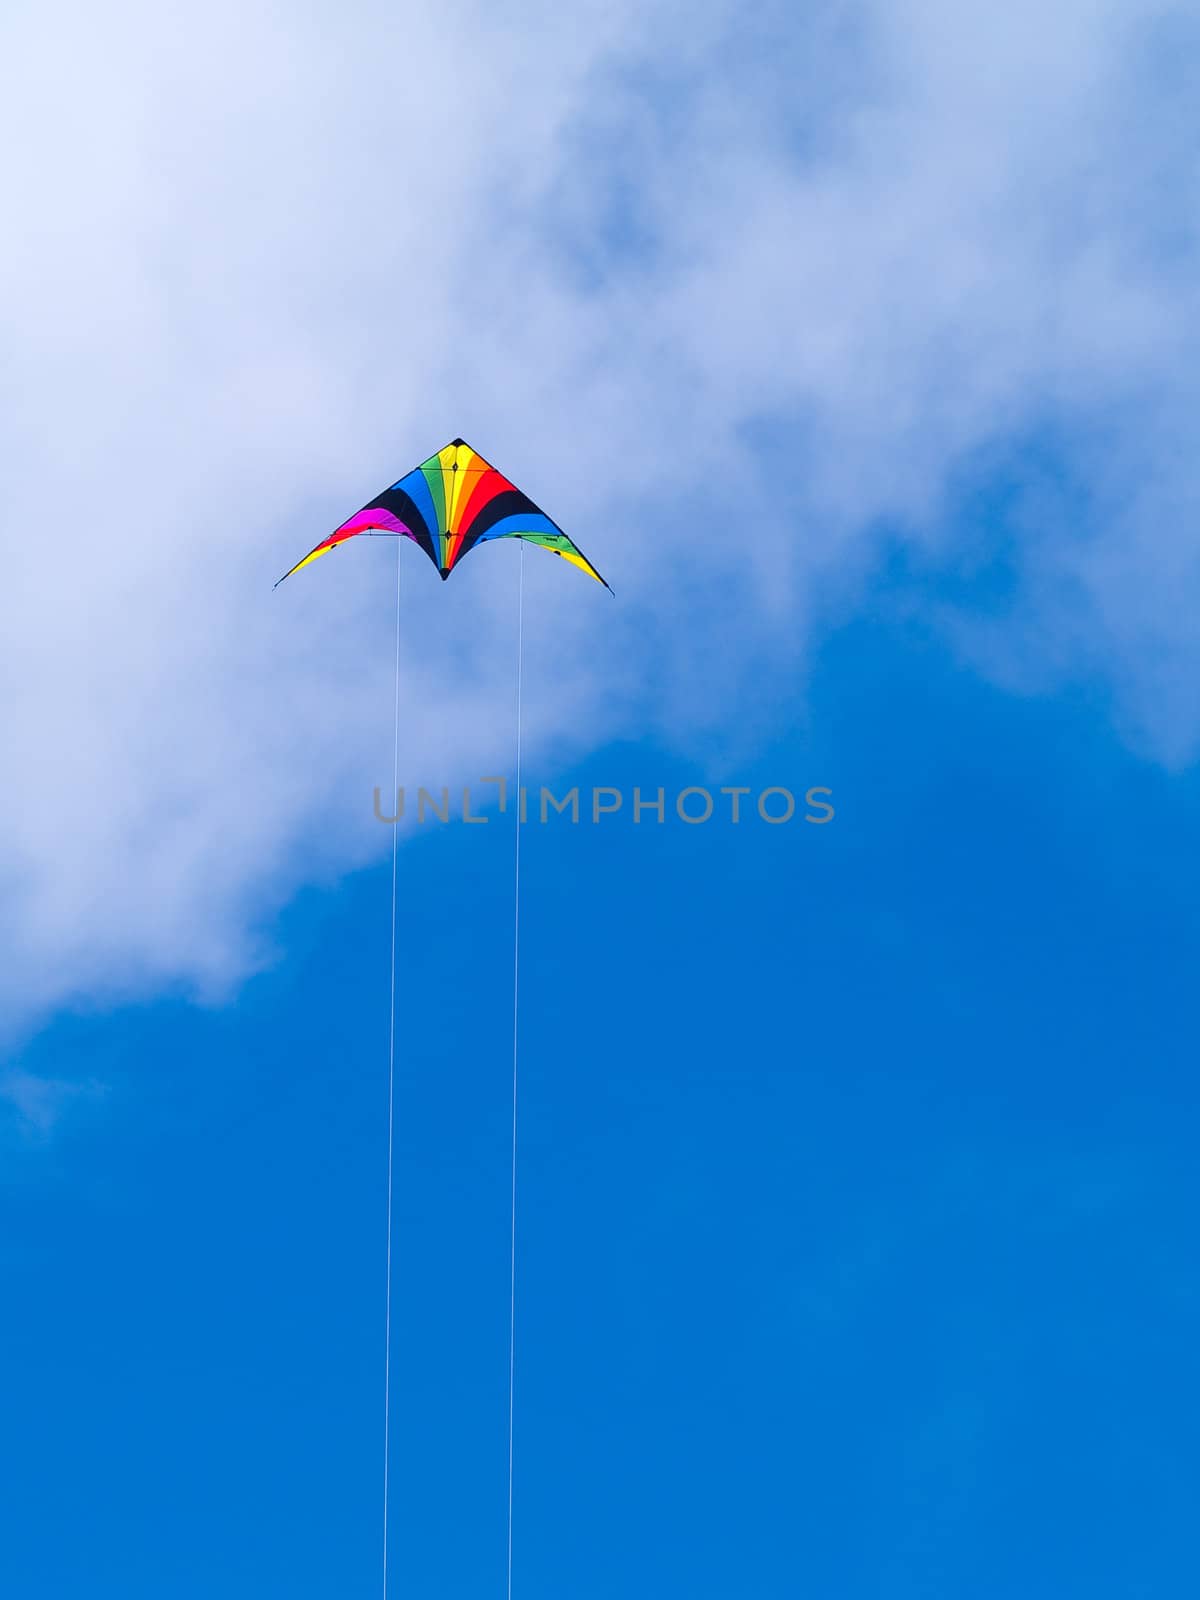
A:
(387, 1320)
(512, 1278)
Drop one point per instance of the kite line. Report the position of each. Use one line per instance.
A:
(512, 1271)
(387, 1316)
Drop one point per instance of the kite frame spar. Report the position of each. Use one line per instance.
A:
(454, 501)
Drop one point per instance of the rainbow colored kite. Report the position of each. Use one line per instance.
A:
(448, 505)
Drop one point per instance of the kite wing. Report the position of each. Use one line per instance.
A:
(448, 505)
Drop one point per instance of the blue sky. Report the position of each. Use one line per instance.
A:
(857, 1196)
(858, 347)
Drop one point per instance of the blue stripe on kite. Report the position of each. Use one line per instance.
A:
(416, 486)
(520, 522)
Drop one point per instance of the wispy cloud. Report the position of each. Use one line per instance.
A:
(37, 1104)
(728, 293)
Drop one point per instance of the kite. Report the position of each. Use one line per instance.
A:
(448, 505)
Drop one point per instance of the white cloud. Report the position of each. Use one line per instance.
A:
(267, 257)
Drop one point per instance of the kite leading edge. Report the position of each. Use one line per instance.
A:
(448, 505)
